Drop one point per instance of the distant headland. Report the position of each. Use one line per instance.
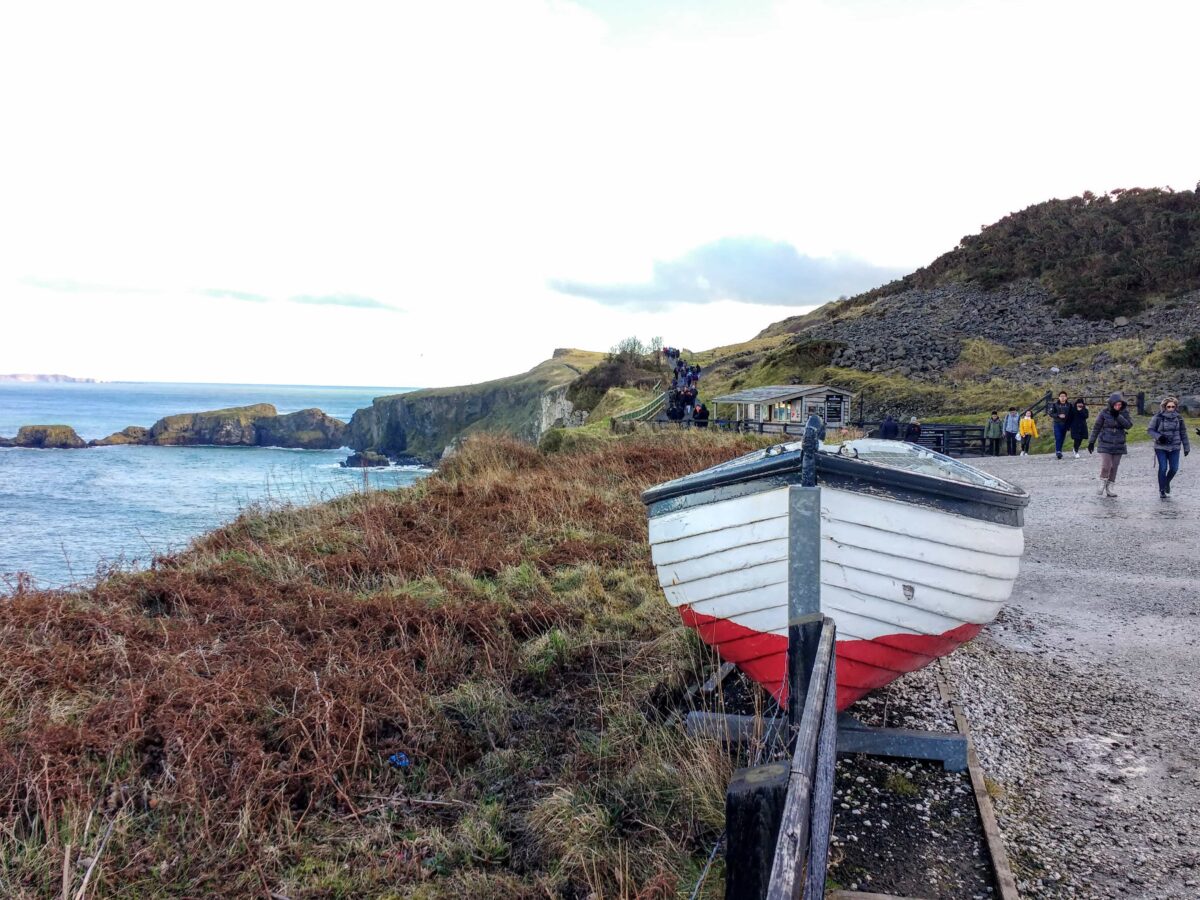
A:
(44, 379)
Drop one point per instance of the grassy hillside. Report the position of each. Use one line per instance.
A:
(1101, 256)
(453, 690)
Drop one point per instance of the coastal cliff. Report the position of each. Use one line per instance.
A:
(421, 424)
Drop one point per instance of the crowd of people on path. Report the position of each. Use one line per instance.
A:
(1069, 421)
(683, 397)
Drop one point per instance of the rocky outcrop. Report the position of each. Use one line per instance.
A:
(308, 429)
(559, 412)
(259, 425)
(48, 437)
(919, 334)
(422, 424)
(365, 459)
(134, 434)
(236, 426)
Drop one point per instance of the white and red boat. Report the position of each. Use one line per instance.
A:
(918, 552)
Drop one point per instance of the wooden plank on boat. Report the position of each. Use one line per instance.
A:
(866, 895)
(983, 800)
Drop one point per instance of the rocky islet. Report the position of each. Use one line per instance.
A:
(258, 425)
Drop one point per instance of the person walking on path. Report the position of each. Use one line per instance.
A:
(1079, 424)
(1012, 427)
(1170, 436)
(1060, 416)
(1029, 431)
(1108, 434)
(889, 428)
(993, 431)
(912, 431)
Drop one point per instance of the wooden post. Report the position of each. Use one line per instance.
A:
(753, 809)
(804, 575)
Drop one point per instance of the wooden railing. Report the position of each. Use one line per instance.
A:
(802, 849)
(647, 411)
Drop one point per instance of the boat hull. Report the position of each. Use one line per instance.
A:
(905, 583)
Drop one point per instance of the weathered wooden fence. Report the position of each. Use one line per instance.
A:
(802, 848)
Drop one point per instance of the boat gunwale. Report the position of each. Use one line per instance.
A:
(772, 468)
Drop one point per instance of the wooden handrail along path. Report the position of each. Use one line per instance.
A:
(647, 411)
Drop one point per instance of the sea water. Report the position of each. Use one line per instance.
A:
(66, 514)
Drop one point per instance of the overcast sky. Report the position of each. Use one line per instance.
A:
(428, 193)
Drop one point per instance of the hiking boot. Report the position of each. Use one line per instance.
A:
(1162, 495)
(1057, 455)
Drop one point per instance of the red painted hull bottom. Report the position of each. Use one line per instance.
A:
(862, 666)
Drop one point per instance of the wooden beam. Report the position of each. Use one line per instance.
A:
(983, 800)
(861, 895)
(792, 846)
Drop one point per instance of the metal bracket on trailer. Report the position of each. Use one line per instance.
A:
(906, 743)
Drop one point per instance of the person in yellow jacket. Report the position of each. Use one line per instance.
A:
(1028, 431)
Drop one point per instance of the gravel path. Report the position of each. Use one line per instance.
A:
(1084, 696)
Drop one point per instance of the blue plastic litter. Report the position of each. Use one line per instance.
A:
(399, 760)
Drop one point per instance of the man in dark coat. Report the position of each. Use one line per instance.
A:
(1060, 413)
(700, 415)
(889, 428)
(1109, 431)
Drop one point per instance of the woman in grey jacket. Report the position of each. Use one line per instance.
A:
(1110, 427)
(1170, 436)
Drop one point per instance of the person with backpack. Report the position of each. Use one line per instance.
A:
(1028, 428)
(889, 428)
(1169, 435)
(1060, 413)
(1012, 428)
(1079, 424)
(992, 432)
(1108, 433)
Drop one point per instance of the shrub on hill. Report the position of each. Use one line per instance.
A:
(630, 364)
(1187, 356)
(1101, 255)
